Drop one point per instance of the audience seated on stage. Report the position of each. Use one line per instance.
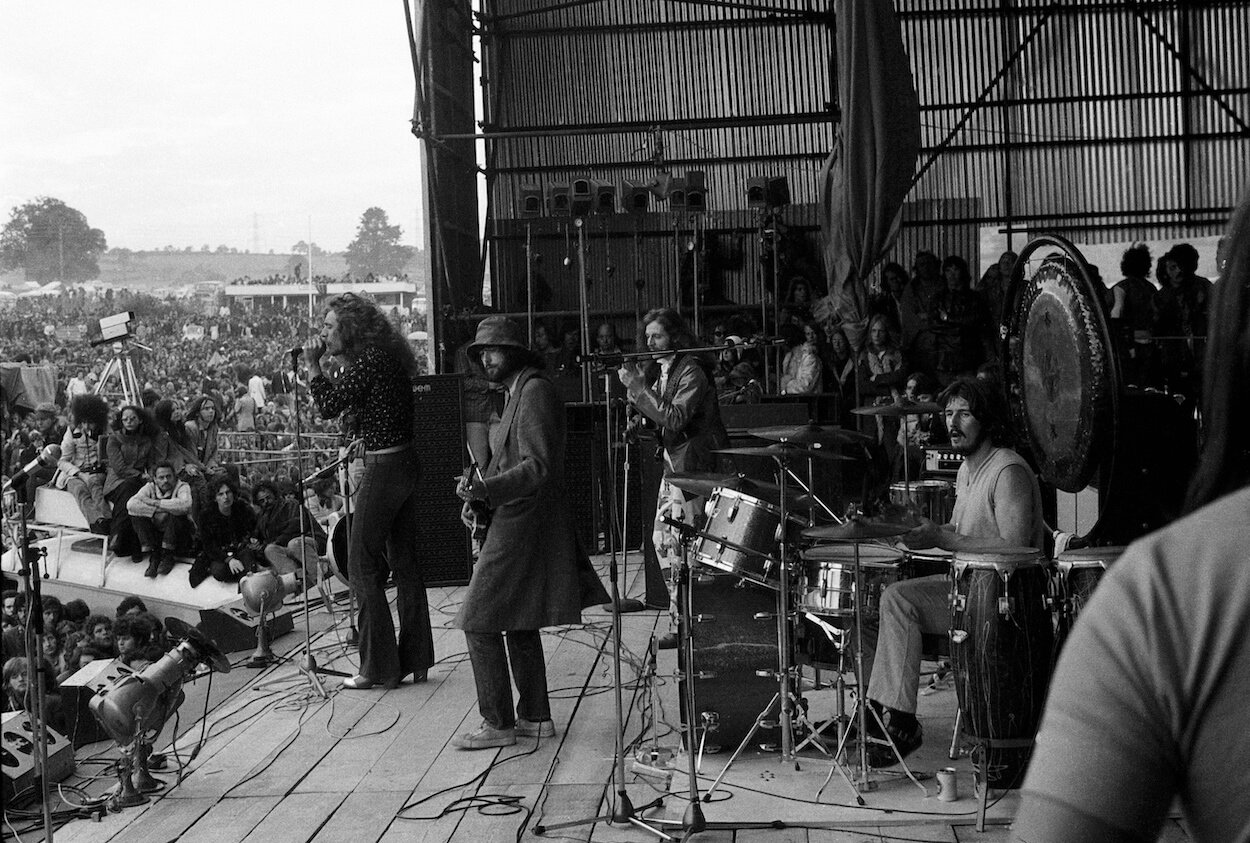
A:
(132, 450)
(288, 535)
(160, 513)
(322, 501)
(131, 605)
(227, 536)
(82, 468)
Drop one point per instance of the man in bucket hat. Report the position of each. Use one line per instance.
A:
(531, 572)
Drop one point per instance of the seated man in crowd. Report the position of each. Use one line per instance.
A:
(287, 534)
(323, 501)
(227, 531)
(998, 504)
(160, 512)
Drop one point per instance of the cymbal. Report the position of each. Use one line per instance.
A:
(857, 529)
(782, 449)
(704, 483)
(812, 435)
(909, 408)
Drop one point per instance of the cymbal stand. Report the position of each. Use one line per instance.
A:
(861, 709)
(784, 698)
(840, 717)
(809, 488)
(624, 812)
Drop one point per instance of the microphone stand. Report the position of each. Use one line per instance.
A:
(28, 570)
(627, 604)
(307, 664)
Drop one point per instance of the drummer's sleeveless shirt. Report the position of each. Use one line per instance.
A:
(974, 497)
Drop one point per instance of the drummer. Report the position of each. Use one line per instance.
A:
(675, 394)
(997, 505)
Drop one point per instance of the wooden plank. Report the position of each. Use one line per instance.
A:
(423, 823)
(566, 803)
(167, 820)
(315, 736)
(90, 831)
(992, 834)
(362, 817)
(936, 831)
(780, 835)
(230, 819)
(496, 826)
(295, 819)
(225, 769)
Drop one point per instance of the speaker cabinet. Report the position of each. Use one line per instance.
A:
(530, 201)
(17, 754)
(438, 402)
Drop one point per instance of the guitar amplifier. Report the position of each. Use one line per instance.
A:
(445, 554)
(942, 462)
(17, 753)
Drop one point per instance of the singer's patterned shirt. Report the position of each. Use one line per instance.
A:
(376, 390)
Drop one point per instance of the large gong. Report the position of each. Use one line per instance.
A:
(1061, 371)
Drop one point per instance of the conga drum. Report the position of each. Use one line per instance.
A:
(1002, 640)
(1079, 572)
(337, 549)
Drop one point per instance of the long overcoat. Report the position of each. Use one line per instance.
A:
(531, 571)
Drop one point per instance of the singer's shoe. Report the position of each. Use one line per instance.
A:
(364, 683)
(530, 729)
(485, 736)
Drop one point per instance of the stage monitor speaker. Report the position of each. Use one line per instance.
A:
(445, 556)
(233, 628)
(530, 201)
(605, 198)
(696, 191)
(17, 754)
(581, 196)
(77, 691)
(635, 198)
(558, 199)
(677, 195)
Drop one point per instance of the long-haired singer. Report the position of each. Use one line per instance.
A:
(376, 387)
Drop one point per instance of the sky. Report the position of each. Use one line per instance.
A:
(250, 123)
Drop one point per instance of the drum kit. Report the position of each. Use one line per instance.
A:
(1010, 610)
(760, 534)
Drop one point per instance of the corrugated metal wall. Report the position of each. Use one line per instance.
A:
(1114, 121)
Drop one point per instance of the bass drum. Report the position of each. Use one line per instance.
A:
(336, 549)
(730, 645)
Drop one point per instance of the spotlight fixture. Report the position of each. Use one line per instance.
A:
(263, 593)
(530, 201)
(635, 198)
(558, 199)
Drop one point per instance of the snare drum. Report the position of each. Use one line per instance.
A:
(743, 535)
(830, 572)
(934, 499)
(1079, 573)
(1001, 645)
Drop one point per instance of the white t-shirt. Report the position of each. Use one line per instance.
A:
(1150, 697)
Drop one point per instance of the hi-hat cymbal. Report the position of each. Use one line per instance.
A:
(782, 449)
(812, 435)
(907, 408)
(857, 529)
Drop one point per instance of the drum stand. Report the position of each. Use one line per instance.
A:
(784, 698)
(860, 709)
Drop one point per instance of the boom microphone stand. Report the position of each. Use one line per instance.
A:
(28, 570)
(307, 664)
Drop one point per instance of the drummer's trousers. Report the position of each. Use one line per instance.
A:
(892, 647)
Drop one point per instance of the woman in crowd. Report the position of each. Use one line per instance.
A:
(801, 368)
(881, 374)
(227, 535)
(132, 450)
(82, 468)
(736, 380)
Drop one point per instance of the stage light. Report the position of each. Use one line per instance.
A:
(263, 593)
(696, 191)
(558, 199)
(135, 707)
(635, 198)
(530, 201)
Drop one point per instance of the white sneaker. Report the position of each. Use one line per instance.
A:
(485, 736)
(530, 729)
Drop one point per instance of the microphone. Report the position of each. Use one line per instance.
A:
(48, 457)
(296, 352)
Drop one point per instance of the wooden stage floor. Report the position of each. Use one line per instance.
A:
(279, 764)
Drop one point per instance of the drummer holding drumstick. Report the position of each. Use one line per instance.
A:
(677, 396)
(997, 504)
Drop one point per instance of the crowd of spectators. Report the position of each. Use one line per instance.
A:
(74, 635)
(319, 280)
